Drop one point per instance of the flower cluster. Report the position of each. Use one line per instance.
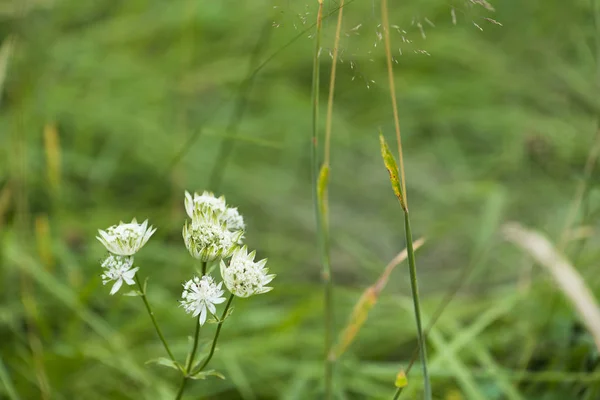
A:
(118, 269)
(214, 233)
(122, 241)
(215, 230)
(243, 277)
(125, 239)
(197, 205)
(200, 295)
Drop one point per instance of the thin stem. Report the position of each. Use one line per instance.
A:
(214, 343)
(194, 346)
(191, 356)
(204, 264)
(388, 53)
(320, 219)
(417, 308)
(151, 313)
(329, 118)
(182, 387)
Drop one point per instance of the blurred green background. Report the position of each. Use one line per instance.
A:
(110, 110)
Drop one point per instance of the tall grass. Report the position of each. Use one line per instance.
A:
(404, 203)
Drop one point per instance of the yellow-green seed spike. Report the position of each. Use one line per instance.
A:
(322, 189)
(392, 167)
(401, 380)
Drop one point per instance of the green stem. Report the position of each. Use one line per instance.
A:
(192, 354)
(214, 343)
(151, 313)
(182, 387)
(320, 220)
(415, 295)
(194, 346)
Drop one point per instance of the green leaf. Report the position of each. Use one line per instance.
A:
(206, 374)
(216, 320)
(165, 362)
(133, 293)
(392, 168)
(401, 380)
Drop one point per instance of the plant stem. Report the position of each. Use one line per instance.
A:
(320, 220)
(182, 387)
(214, 343)
(151, 313)
(415, 295)
(191, 356)
(388, 53)
(204, 264)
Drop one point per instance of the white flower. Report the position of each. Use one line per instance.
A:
(207, 239)
(118, 269)
(126, 239)
(201, 294)
(244, 277)
(207, 202)
(233, 219)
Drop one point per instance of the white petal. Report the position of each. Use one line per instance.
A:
(116, 286)
(211, 308)
(218, 300)
(203, 316)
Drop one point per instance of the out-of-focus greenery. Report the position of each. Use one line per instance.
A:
(110, 110)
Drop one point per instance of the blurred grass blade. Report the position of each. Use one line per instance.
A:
(566, 276)
(392, 168)
(366, 301)
(6, 50)
(44, 241)
(52, 148)
(7, 383)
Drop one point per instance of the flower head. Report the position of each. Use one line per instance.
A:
(244, 277)
(118, 269)
(201, 294)
(205, 202)
(207, 239)
(126, 239)
(197, 205)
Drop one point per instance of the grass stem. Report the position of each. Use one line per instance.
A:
(409, 243)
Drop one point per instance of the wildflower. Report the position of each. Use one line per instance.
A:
(207, 239)
(202, 203)
(126, 239)
(244, 277)
(118, 269)
(201, 294)
(207, 202)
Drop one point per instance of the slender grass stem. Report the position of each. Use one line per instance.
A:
(319, 209)
(417, 308)
(151, 314)
(388, 53)
(409, 243)
(216, 338)
(329, 119)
